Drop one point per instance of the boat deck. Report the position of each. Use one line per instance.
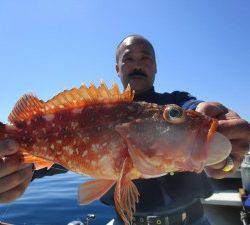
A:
(224, 206)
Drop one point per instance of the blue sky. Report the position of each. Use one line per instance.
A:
(202, 46)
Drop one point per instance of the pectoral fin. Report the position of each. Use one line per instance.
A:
(144, 163)
(125, 196)
(93, 190)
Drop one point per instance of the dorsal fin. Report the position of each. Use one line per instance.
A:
(29, 105)
(26, 107)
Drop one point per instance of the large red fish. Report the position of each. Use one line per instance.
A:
(104, 134)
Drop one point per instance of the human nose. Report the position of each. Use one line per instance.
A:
(138, 65)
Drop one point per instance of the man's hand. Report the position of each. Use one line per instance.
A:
(234, 128)
(14, 175)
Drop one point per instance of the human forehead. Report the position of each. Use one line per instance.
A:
(131, 46)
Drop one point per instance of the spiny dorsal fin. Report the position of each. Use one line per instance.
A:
(29, 105)
(26, 107)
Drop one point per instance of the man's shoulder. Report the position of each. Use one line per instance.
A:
(162, 98)
(175, 96)
(182, 95)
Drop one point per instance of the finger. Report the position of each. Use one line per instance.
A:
(228, 116)
(10, 164)
(215, 173)
(11, 181)
(14, 193)
(218, 165)
(211, 109)
(239, 148)
(235, 129)
(237, 162)
(219, 173)
(8, 147)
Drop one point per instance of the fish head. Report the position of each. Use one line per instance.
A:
(169, 140)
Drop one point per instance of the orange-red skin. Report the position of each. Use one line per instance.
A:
(85, 140)
(80, 130)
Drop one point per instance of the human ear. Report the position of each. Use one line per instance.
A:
(155, 68)
(117, 69)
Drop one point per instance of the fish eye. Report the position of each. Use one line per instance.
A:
(174, 114)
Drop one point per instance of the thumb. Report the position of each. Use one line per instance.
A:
(211, 109)
(8, 147)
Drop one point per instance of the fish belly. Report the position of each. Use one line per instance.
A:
(97, 152)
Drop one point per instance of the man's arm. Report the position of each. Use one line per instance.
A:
(234, 128)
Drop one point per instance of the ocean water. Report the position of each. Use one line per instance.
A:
(53, 201)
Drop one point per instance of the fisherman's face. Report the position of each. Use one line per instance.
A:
(136, 65)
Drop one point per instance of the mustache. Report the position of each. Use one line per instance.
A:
(137, 73)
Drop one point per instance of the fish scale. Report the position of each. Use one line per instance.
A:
(104, 134)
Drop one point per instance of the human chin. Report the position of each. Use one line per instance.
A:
(137, 85)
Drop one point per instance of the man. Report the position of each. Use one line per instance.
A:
(171, 196)
(168, 196)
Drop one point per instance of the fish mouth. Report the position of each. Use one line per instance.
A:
(212, 124)
(219, 149)
(204, 154)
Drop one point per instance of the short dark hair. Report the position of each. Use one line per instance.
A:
(135, 36)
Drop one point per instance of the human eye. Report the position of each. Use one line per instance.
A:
(146, 58)
(127, 59)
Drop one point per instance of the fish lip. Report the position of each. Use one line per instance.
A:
(213, 124)
(212, 130)
(224, 146)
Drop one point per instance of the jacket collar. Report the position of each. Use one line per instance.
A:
(144, 95)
